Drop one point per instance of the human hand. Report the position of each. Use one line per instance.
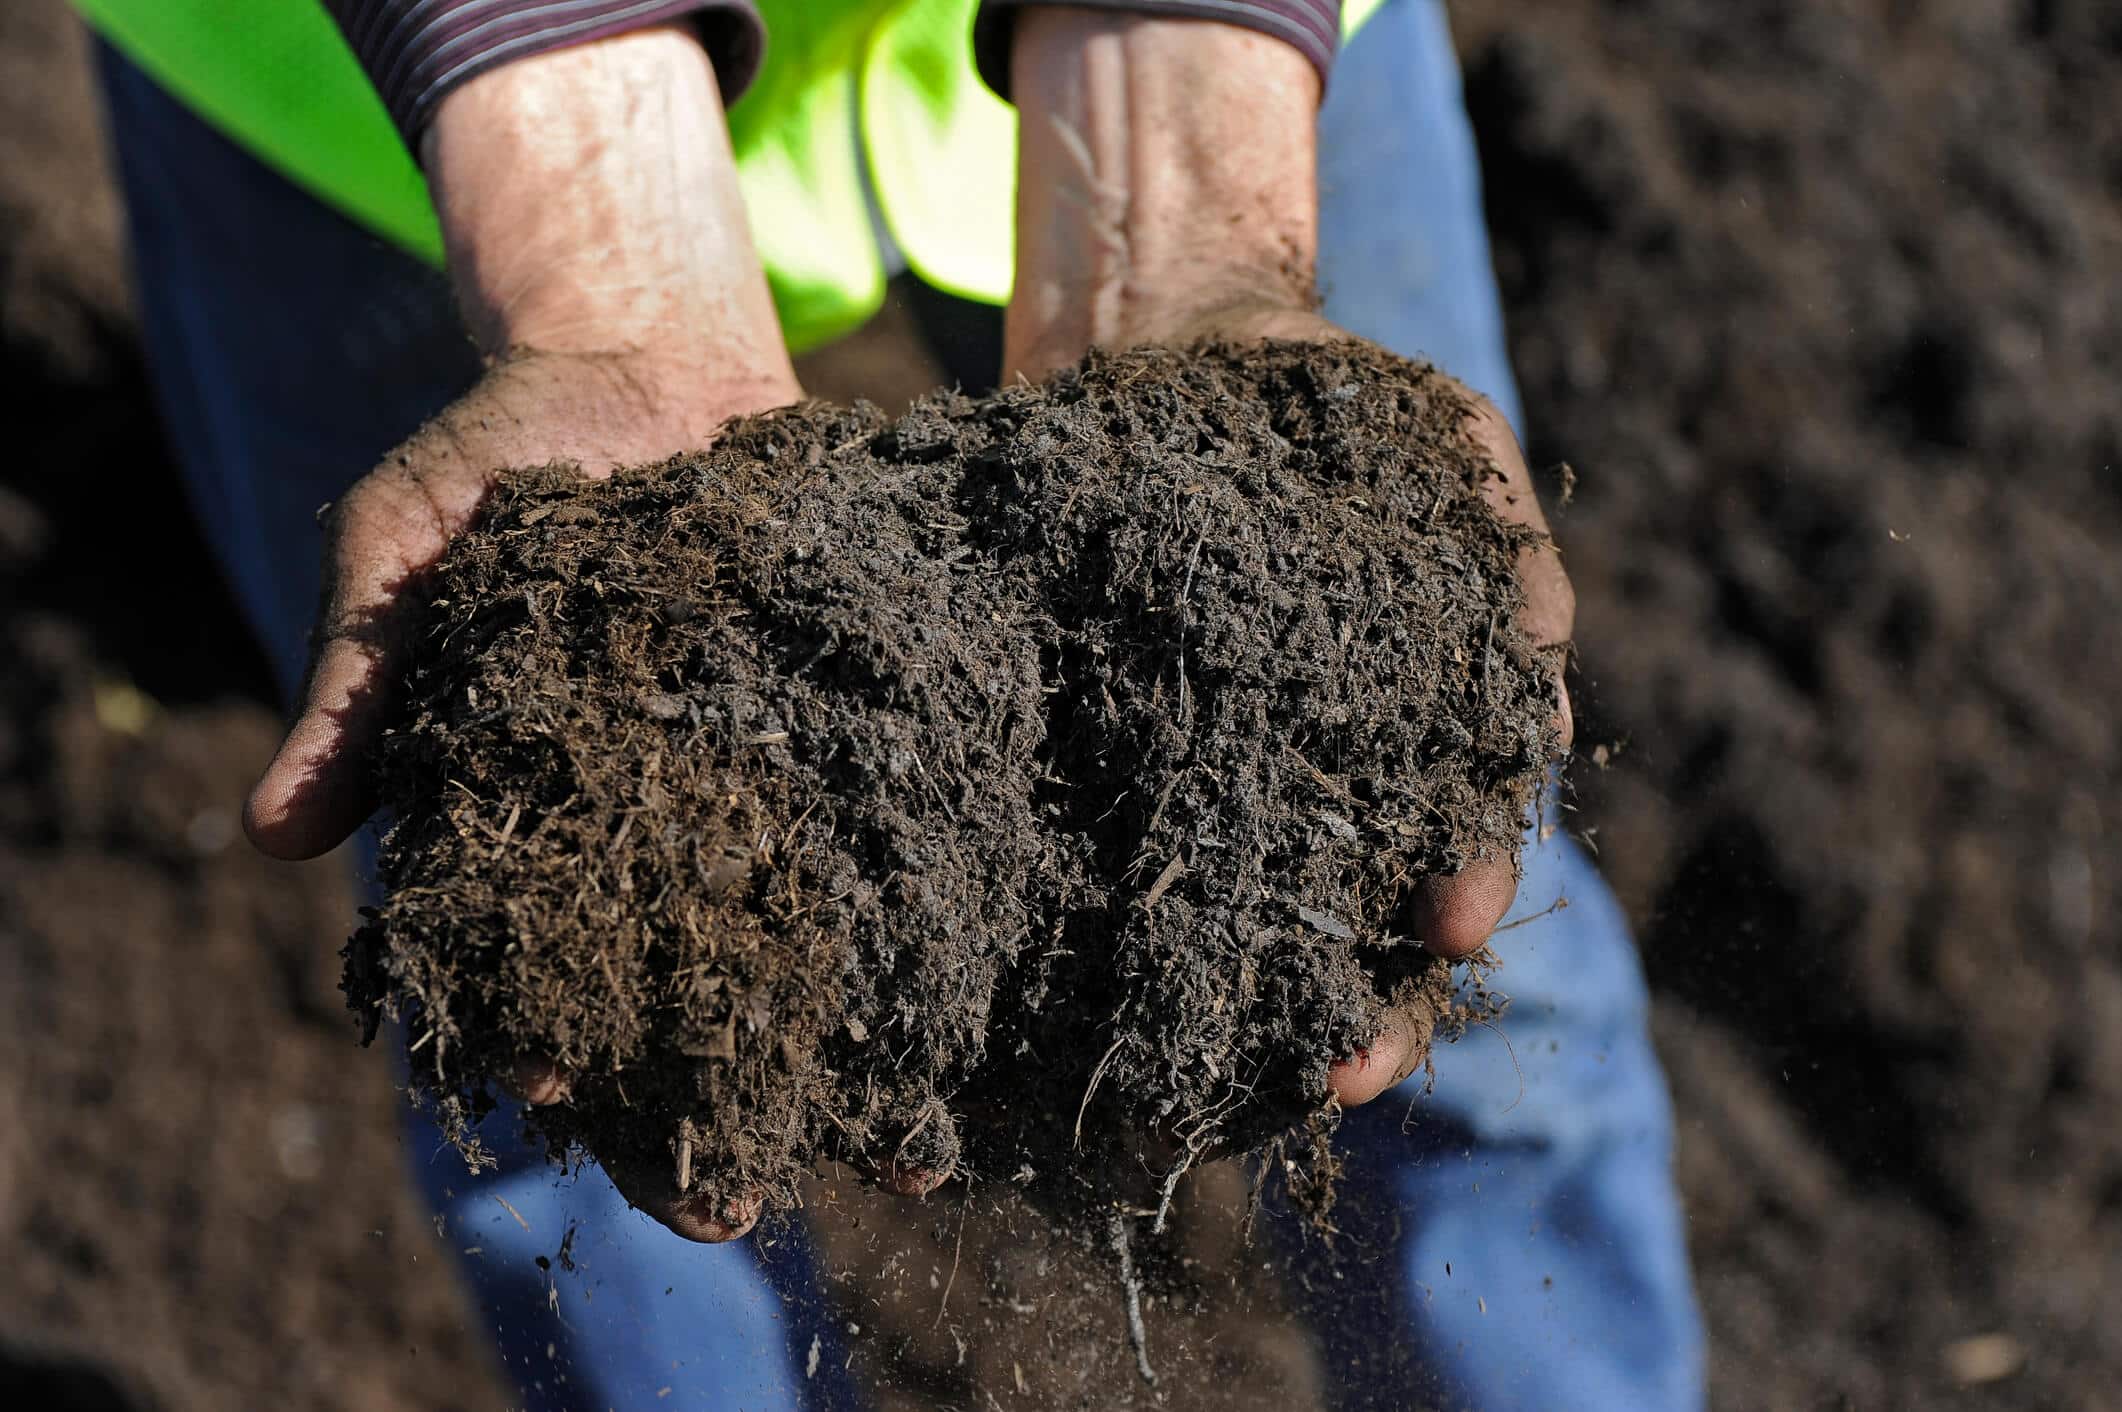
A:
(600, 254)
(601, 257)
(600, 411)
(1167, 194)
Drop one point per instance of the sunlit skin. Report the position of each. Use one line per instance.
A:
(1166, 193)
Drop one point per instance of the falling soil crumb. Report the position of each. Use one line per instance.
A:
(1035, 786)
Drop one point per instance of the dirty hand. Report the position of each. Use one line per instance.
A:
(600, 254)
(597, 410)
(1167, 193)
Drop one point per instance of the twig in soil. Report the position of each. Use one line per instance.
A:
(1257, 1198)
(685, 1155)
(1137, 1339)
(1548, 911)
(1172, 872)
(1197, 1142)
(1095, 1075)
(1171, 1184)
(1488, 655)
(1512, 1050)
(913, 1132)
(1186, 593)
(965, 1210)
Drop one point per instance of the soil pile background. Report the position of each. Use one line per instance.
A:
(1822, 300)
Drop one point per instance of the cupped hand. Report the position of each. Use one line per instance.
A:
(1167, 194)
(598, 411)
(601, 255)
(1452, 916)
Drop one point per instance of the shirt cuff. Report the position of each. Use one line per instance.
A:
(416, 51)
(1313, 26)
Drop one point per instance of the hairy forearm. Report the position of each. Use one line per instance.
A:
(589, 204)
(1167, 171)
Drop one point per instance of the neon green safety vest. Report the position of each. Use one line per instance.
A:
(277, 77)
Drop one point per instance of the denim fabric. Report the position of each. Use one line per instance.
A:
(1520, 1218)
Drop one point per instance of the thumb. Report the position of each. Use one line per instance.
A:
(317, 789)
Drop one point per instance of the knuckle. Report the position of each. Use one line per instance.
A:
(379, 501)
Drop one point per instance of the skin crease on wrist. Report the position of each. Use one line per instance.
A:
(589, 205)
(597, 243)
(1168, 171)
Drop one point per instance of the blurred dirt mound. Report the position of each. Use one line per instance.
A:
(201, 1197)
(985, 1301)
(62, 267)
(1825, 304)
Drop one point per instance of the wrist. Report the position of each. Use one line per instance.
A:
(1167, 181)
(589, 206)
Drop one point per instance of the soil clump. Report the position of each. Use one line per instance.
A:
(1034, 785)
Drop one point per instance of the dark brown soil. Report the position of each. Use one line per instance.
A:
(203, 1204)
(986, 1297)
(1013, 786)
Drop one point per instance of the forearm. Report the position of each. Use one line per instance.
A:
(589, 205)
(1167, 172)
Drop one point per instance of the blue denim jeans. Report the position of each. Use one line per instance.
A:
(1520, 1219)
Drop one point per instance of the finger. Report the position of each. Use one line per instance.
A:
(706, 1219)
(1455, 915)
(925, 1157)
(1550, 613)
(1510, 492)
(316, 791)
(1371, 1070)
(910, 1181)
(701, 1219)
(1380, 1065)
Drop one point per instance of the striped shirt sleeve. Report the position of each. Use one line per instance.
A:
(416, 51)
(1313, 26)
